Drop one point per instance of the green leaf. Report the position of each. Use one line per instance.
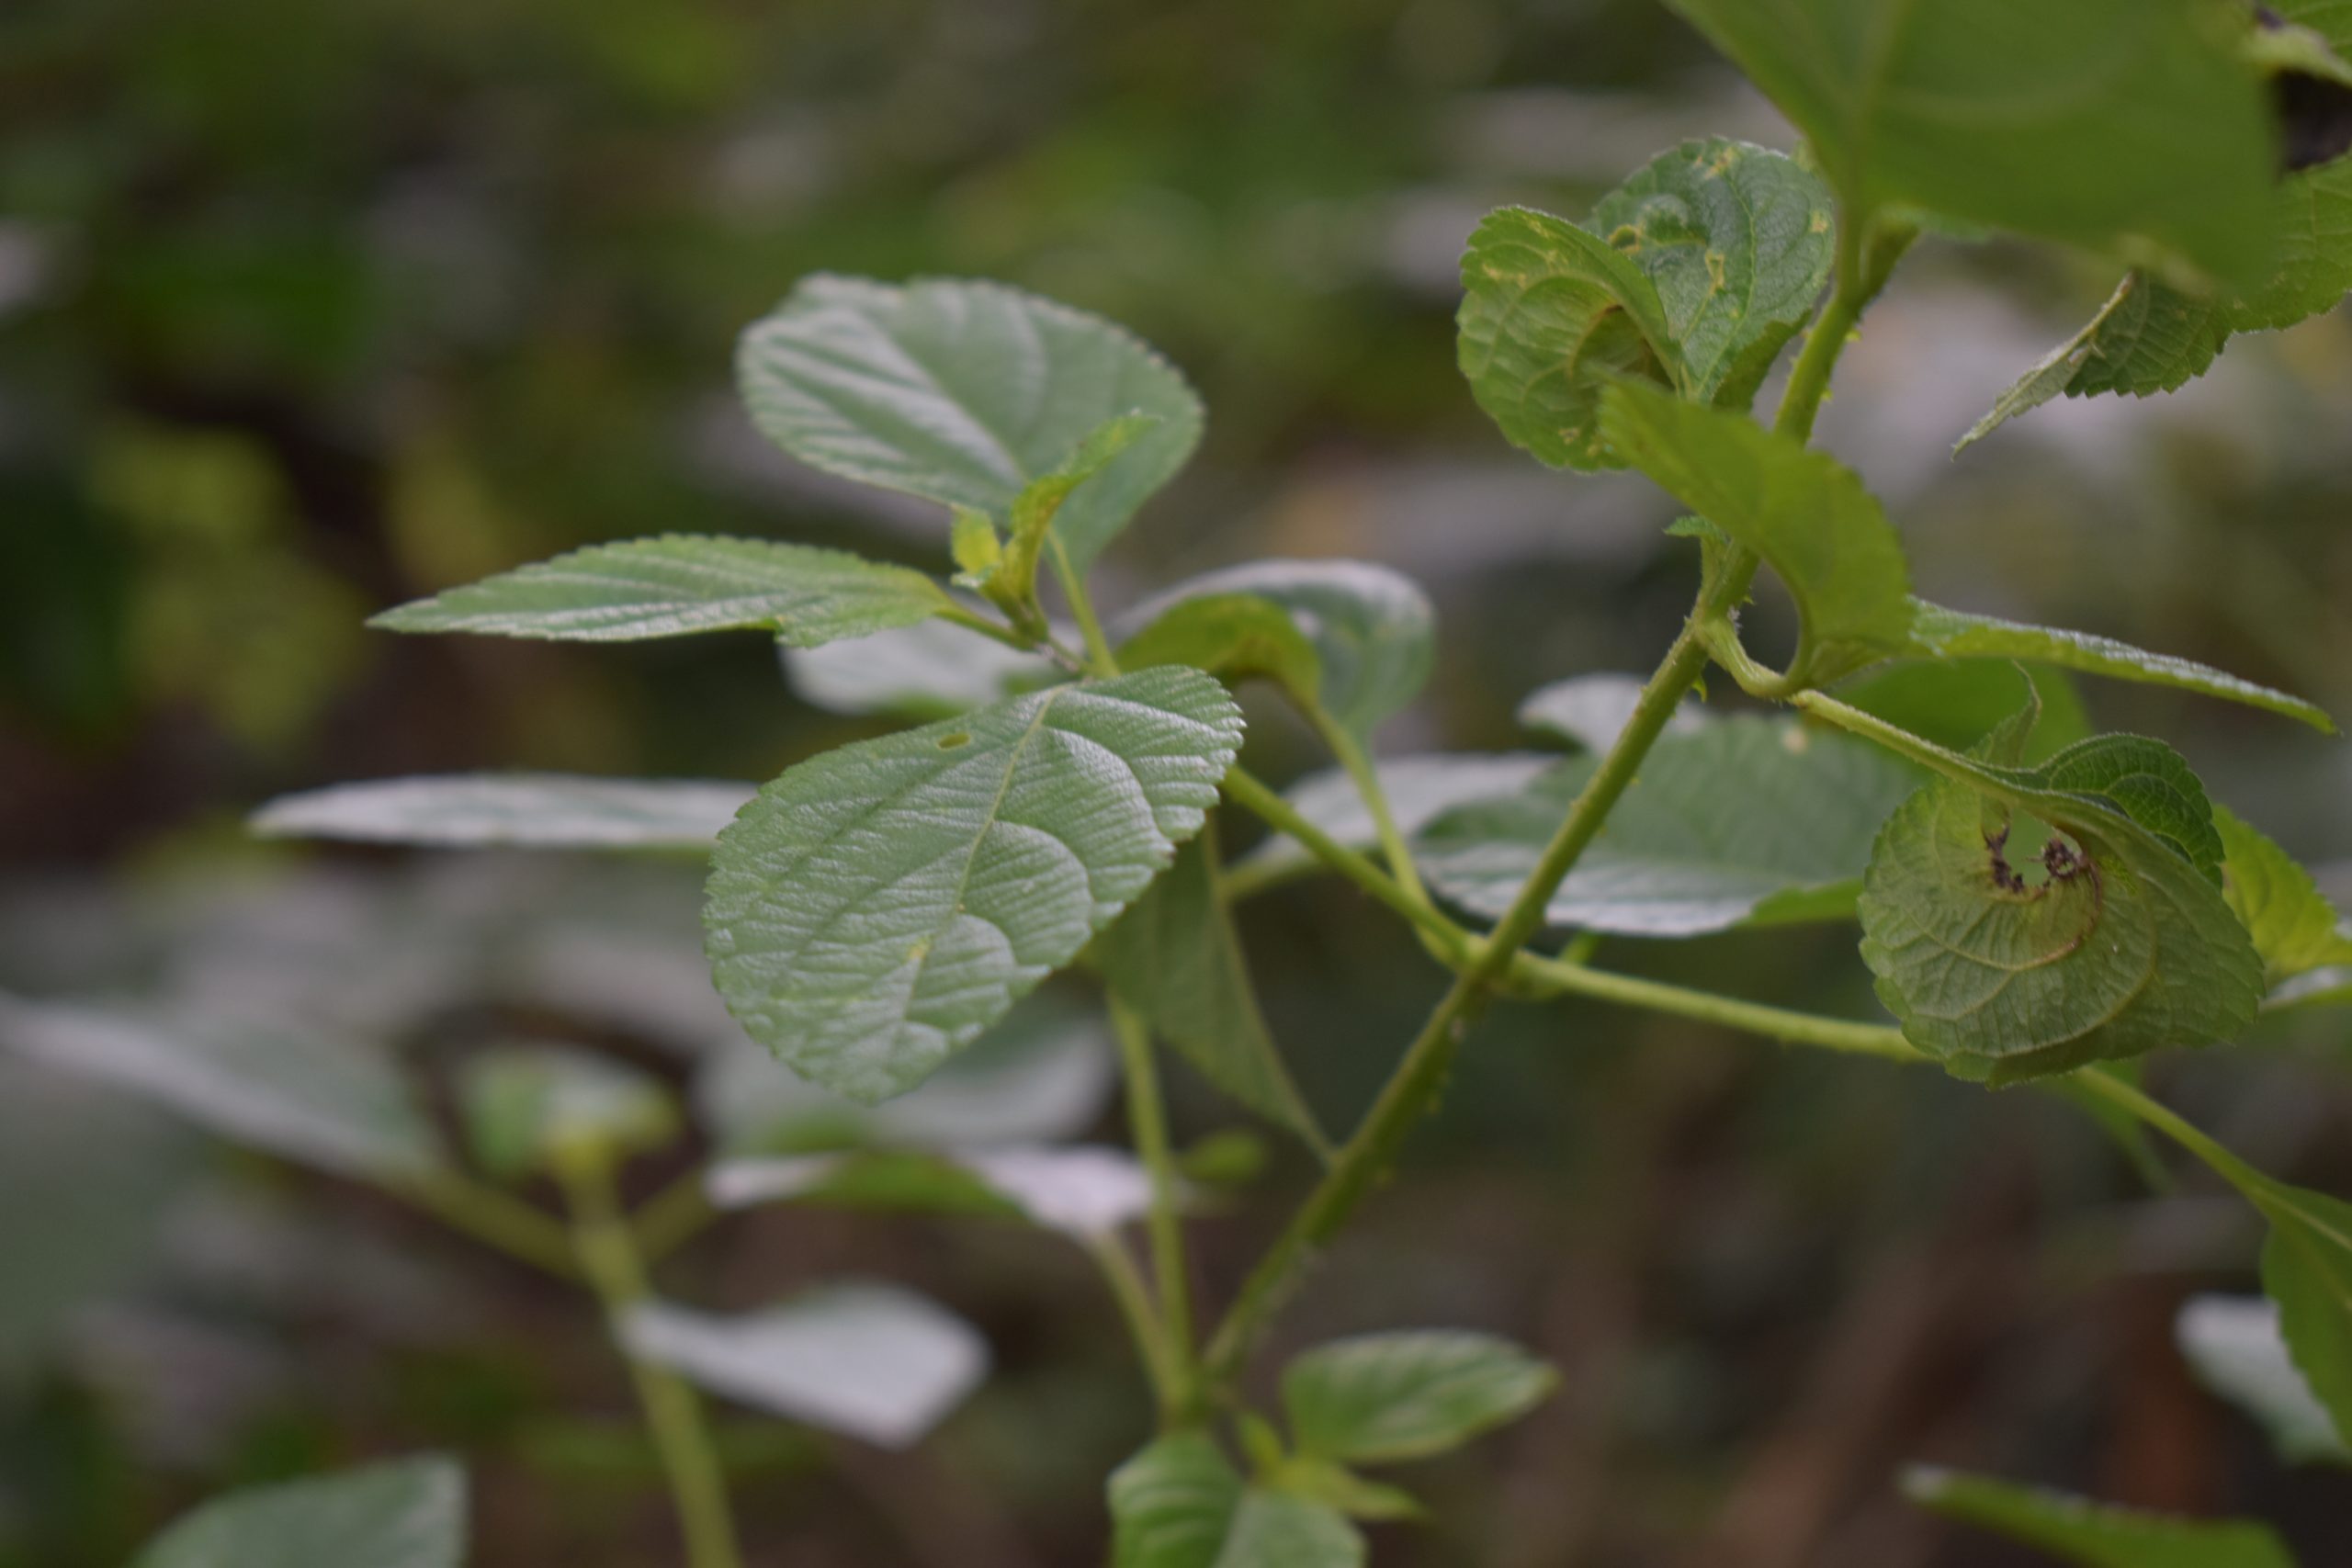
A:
(1419, 790)
(2294, 928)
(965, 393)
(2112, 940)
(678, 585)
(1957, 702)
(1956, 634)
(1177, 961)
(876, 1362)
(1550, 314)
(1738, 240)
(1082, 1191)
(312, 1097)
(1338, 1487)
(1180, 1504)
(2233, 1346)
(1592, 711)
(875, 907)
(2090, 1535)
(529, 1109)
(1384, 1397)
(1805, 514)
(1372, 630)
(407, 1514)
(541, 810)
(2307, 1269)
(1233, 637)
(1747, 820)
(2090, 123)
(1013, 585)
(925, 671)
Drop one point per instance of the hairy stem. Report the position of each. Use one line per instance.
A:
(608, 1256)
(1147, 1123)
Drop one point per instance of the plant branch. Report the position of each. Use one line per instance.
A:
(1359, 768)
(674, 1216)
(1099, 658)
(1119, 1271)
(1245, 790)
(493, 1217)
(1148, 1122)
(608, 1256)
(1561, 977)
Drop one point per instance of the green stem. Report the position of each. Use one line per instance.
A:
(2251, 1182)
(1120, 1273)
(1360, 769)
(995, 631)
(489, 1215)
(1247, 791)
(1562, 976)
(672, 1217)
(1099, 658)
(1148, 1122)
(608, 1254)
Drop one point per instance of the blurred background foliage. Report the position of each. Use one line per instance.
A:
(308, 308)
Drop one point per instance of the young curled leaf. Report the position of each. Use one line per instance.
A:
(2026, 920)
(1550, 314)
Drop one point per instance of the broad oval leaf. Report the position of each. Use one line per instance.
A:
(2093, 1535)
(407, 1514)
(1177, 961)
(964, 393)
(539, 810)
(680, 584)
(1419, 789)
(1550, 314)
(1180, 1504)
(1372, 630)
(2307, 1269)
(2091, 122)
(1233, 637)
(875, 907)
(2112, 940)
(1748, 820)
(1956, 634)
(2294, 928)
(1808, 516)
(872, 1361)
(1738, 240)
(533, 1108)
(2234, 1346)
(1385, 1397)
(317, 1099)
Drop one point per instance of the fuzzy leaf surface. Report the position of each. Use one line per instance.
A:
(1386, 1397)
(1176, 959)
(1738, 240)
(965, 393)
(406, 1514)
(2086, 123)
(680, 584)
(2123, 944)
(539, 810)
(1550, 314)
(1805, 513)
(875, 907)
(1372, 630)
(1747, 820)
(2093, 1535)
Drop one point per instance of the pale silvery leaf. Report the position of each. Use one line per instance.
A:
(2233, 1346)
(539, 810)
(931, 670)
(878, 906)
(964, 393)
(1084, 1191)
(871, 1361)
(407, 1514)
(1418, 790)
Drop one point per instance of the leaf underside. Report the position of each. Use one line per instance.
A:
(874, 909)
(540, 810)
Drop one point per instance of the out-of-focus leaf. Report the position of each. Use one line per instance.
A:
(1085, 1191)
(2093, 1535)
(1177, 961)
(1418, 790)
(2307, 1269)
(541, 810)
(1550, 315)
(1748, 820)
(925, 671)
(534, 1108)
(407, 1514)
(313, 1098)
(1593, 710)
(1180, 1504)
(2091, 123)
(1738, 240)
(1372, 630)
(964, 393)
(680, 584)
(2234, 1346)
(1385, 1397)
(878, 906)
(872, 1361)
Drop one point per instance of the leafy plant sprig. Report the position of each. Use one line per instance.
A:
(2036, 905)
